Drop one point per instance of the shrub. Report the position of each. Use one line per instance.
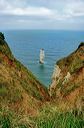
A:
(3, 89)
(2, 36)
(81, 44)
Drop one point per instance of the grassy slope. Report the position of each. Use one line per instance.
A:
(49, 117)
(74, 61)
(21, 94)
(74, 64)
(71, 94)
(19, 89)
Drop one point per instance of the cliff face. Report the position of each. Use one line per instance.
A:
(68, 80)
(19, 89)
(22, 92)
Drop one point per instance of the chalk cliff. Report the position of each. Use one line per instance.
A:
(68, 80)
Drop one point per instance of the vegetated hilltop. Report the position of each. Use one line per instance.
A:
(19, 89)
(67, 86)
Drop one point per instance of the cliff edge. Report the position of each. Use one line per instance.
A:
(67, 88)
(19, 88)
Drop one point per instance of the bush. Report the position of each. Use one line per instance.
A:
(2, 36)
(81, 44)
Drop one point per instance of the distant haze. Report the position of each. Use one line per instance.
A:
(42, 14)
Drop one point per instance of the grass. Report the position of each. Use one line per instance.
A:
(76, 65)
(16, 96)
(29, 83)
(51, 118)
(3, 89)
(8, 93)
(73, 62)
(71, 87)
(66, 120)
(47, 118)
(4, 48)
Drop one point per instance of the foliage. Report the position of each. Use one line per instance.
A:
(81, 44)
(9, 119)
(15, 96)
(11, 91)
(76, 65)
(48, 118)
(3, 89)
(2, 36)
(71, 87)
(54, 119)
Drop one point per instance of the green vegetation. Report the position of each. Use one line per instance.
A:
(47, 118)
(22, 95)
(73, 62)
(60, 120)
(8, 93)
(4, 48)
(2, 36)
(71, 87)
(17, 76)
(16, 96)
(76, 64)
(81, 44)
(3, 89)
(9, 119)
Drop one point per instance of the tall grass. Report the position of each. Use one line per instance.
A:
(46, 119)
(52, 117)
(61, 120)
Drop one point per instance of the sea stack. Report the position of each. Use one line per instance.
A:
(42, 55)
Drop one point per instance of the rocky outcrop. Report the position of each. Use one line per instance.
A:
(68, 79)
(56, 76)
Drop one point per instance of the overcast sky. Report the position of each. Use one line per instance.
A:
(42, 14)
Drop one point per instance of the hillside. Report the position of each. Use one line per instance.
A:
(67, 87)
(26, 103)
(19, 89)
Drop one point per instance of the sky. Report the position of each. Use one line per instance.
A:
(42, 14)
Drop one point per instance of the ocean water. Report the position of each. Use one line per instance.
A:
(26, 45)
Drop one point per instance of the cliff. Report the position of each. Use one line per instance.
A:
(67, 88)
(25, 102)
(19, 89)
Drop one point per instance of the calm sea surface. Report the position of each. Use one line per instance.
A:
(26, 45)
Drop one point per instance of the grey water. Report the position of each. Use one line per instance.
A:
(26, 45)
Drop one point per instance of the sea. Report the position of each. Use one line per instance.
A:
(26, 45)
